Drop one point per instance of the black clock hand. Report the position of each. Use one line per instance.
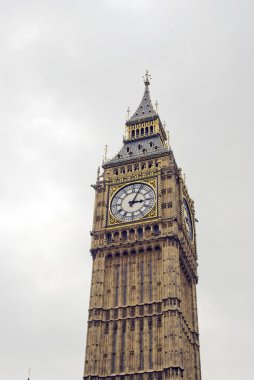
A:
(139, 201)
(131, 202)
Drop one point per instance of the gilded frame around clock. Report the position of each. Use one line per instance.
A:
(113, 189)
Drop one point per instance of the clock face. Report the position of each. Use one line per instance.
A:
(188, 219)
(133, 202)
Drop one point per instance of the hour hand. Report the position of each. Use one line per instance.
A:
(139, 201)
(133, 201)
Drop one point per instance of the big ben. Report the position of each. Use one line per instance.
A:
(143, 322)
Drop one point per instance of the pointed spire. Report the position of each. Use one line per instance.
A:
(145, 110)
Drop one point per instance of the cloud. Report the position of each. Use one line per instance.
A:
(131, 5)
(23, 38)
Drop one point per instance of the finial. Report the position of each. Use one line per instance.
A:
(105, 153)
(146, 78)
(168, 138)
(156, 106)
(128, 113)
(98, 173)
(164, 124)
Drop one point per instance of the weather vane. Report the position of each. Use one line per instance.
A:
(156, 106)
(146, 78)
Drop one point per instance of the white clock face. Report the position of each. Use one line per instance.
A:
(133, 202)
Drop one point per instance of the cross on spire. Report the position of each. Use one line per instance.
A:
(146, 78)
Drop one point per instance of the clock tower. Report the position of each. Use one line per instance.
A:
(143, 322)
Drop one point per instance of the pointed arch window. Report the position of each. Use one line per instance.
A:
(142, 281)
(150, 332)
(125, 271)
(109, 238)
(140, 232)
(150, 271)
(124, 235)
(117, 283)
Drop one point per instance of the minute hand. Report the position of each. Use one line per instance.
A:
(133, 200)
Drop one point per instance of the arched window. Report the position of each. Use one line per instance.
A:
(151, 129)
(147, 130)
(131, 234)
(137, 132)
(124, 235)
(133, 133)
(156, 229)
(129, 168)
(123, 170)
(140, 232)
(116, 236)
(109, 238)
(116, 171)
(148, 231)
(142, 131)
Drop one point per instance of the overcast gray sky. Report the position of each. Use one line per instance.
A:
(68, 72)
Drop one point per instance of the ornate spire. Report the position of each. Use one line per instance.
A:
(145, 110)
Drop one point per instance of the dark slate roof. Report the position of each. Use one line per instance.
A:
(142, 148)
(145, 109)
